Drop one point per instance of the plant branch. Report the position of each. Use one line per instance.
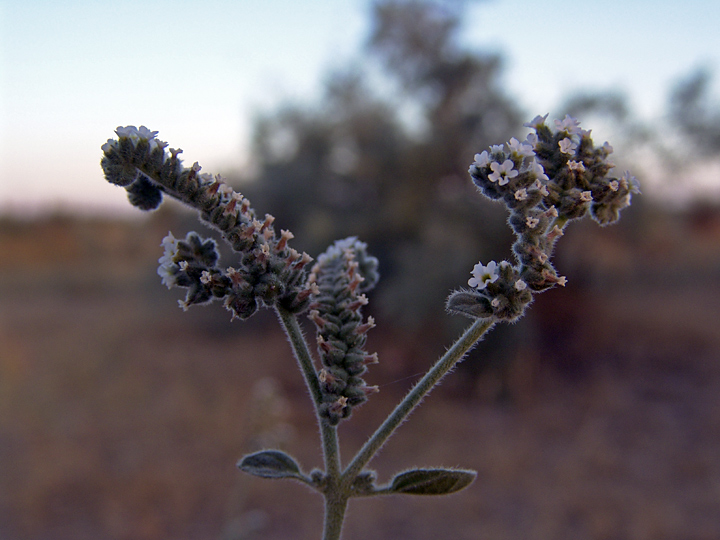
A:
(454, 355)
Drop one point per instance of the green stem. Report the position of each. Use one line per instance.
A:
(456, 353)
(302, 353)
(335, 506)
(335, 500)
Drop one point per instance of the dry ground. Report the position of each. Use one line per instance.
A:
(121, 417)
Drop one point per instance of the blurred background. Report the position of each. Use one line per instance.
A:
(596, 416)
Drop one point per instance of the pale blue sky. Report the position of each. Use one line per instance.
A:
(71, 71)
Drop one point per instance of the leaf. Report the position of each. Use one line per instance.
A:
(470, 304)
(270, 464)
(432, 481)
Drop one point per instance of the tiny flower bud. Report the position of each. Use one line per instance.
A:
(371, 359)
(338, 406)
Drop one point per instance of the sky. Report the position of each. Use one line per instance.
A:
(198, 72)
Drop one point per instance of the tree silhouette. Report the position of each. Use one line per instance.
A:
(384, 156)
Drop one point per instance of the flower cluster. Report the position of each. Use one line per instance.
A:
(269, 272)
(554, 176)
(342, 275)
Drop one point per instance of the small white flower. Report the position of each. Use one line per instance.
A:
(614, 185)
(567, 146)
(167, 268)
(608, 148)
(145, 133)
(532, 140)
(536, 122)
(109, 145)
(497, 148)
(551, 212)
(562, 281)
(495, 302)
(521, 194)
(628, 181)
(127, 131)
(520, 149)
(206, 277)
(538, 171)
(225, 190)
(575, 165)
(482, 159)
(502, 173)
(586, 196)
(520, 285)
(482, 275)
(532, 222)
(569, 125)
(541, 188)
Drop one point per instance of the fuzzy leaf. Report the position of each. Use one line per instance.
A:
(270, 464)
(432, 481)
(470, 304)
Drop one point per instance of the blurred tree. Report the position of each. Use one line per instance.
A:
(696, 116)
(384, 156)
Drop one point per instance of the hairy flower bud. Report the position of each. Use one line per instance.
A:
(341, 273)
(556, 176)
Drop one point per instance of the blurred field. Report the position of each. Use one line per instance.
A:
(121, 417)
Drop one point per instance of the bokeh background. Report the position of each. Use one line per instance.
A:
(596, 416)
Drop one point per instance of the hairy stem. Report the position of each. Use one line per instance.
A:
(335, 506)
(301, 352)
(456, 353)
(335, 498)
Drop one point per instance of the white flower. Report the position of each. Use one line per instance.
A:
(482, 159)
(109, 145)
(225, 190)
(628, 181)
(536, 122)
(538, 171)
(168, 269)
(145, 133)
(586, 196)
(608, 148)
(567, 146)
(532, 140)
(541, 187)
(127, 131)
(575, 165)
(497, 148)
(520, 285)
(520, 149)
(614, 185)
(521, 194)
(206, 277)
(502, 173)
(495, 302)
(482, 275)
(135, 134)
(532, 222)
(569, 125)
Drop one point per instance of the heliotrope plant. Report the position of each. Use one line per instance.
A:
(554, 176)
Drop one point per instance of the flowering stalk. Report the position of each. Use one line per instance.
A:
(553, 177)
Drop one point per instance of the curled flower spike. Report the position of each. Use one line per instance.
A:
(341, 276)
(563, 178)
(272, 273)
